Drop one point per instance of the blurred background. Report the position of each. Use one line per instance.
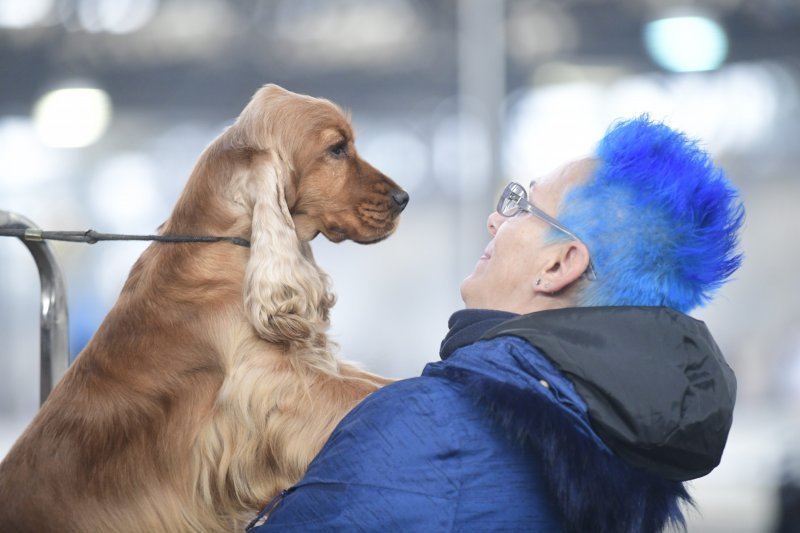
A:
(106, 104)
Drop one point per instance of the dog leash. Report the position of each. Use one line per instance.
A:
(91, 236)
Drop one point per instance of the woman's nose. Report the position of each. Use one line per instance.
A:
(494, 222)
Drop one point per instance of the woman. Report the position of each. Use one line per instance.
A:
(573, 394)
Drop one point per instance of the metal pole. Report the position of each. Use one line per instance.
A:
(54, 321)
(482, 87)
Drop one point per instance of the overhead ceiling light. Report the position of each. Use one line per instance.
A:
(686, 43)
(116, 16)
(340, 32)
(16, 14)
(536, 30)
(72, 117)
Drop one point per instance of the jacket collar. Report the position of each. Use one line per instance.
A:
(469, 325)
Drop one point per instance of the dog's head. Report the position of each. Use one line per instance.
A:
(329, 188)
(302, 176)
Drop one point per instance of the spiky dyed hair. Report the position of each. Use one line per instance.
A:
(660, 220)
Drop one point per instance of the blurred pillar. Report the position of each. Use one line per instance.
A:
(482, 86)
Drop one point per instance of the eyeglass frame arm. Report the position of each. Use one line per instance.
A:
(525, 205)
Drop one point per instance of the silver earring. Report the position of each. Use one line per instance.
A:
(538, 282)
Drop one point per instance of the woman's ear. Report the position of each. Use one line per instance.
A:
(566, 263)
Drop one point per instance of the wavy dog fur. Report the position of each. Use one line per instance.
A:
(211, 384)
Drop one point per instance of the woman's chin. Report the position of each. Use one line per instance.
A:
(469, 291)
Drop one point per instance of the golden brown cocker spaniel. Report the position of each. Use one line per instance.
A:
(210, 385)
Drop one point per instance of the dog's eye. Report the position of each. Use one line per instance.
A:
(338, 149)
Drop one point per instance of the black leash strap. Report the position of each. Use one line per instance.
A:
(91, 236)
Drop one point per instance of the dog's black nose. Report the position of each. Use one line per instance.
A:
(400, 199)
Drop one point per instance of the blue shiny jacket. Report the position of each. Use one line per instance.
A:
(494, 438)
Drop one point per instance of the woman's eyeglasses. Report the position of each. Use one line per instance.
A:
(515, 199)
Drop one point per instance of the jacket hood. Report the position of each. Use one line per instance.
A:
(658, 390)
(618, 404)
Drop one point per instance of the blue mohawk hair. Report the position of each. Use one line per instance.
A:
(660, 220)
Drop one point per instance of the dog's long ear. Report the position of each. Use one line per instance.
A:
(286, 294)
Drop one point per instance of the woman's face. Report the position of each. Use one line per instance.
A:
(505, 276)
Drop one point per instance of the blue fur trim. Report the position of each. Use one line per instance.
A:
(660, 220)
(593, 489)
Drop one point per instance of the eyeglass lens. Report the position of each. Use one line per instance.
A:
(510, 200)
